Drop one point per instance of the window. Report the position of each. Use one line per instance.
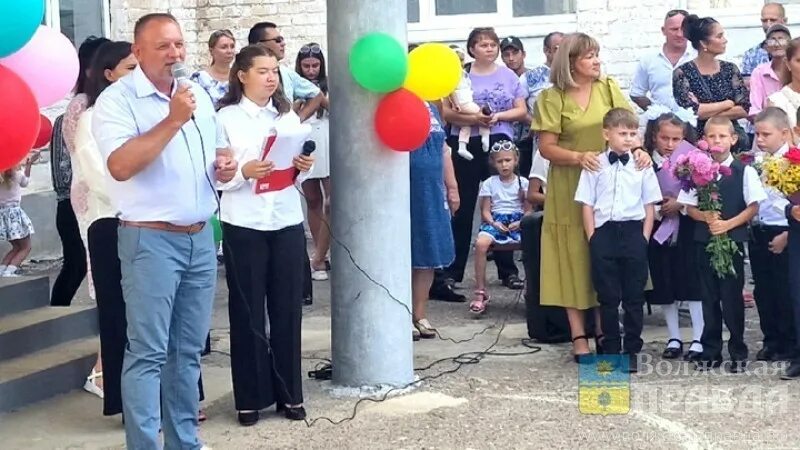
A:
(77, 19)
(413, 11)
(456, 7)
(526, 8)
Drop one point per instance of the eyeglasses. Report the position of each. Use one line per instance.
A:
(313, 49)
(278, 40)
(503, 146)
(777, 41)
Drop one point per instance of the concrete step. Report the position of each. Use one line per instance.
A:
(47, 373)
(41, 328)
(23, 293)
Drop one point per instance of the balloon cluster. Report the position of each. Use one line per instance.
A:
(430, 72)
(38, 67)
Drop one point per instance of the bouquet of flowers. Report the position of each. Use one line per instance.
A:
(697, 170)
(753, 159)
(783, 174)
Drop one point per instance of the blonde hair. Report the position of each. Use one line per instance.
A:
(620, 117)
(719, 121)
(574, 46)
(775, 116)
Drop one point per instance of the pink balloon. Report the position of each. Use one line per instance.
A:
(48, 63)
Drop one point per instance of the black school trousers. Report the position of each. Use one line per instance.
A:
(618, 252)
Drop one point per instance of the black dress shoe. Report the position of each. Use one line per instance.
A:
(308, 301)
(248, 418)
(737, 366)
(707, 364)
(765, 354)
(673, 352)
(693, 355)
(445, 292)
(785, 355)
(792, 372)
(633, 364)
(293, 412)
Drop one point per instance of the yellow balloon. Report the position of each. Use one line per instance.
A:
(434, 71)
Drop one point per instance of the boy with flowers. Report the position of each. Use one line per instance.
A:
(769, 261)
(728, 201)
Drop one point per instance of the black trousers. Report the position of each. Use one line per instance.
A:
(771, 274)
(722, 301)
(469, 175)
(545, 323)
(525, 147)
(618, 252)
(265, 282)
(73, 271)
(107, 279)
(793, 249)
(308, 285)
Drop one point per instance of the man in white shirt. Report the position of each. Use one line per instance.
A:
(160, 144)
(654, 72)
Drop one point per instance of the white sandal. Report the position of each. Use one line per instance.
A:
(91, 387)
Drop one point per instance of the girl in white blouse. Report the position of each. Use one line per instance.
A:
(264, 243)
(98, 224)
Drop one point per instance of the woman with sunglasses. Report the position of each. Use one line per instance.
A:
(498, 88)
(222, 46)
(310, 64)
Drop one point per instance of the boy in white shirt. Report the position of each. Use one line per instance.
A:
(740, 193)
(618, 212)
(769, 262)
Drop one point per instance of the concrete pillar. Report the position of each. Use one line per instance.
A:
(371, 332)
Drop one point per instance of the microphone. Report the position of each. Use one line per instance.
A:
(308, 148)
(181, 74)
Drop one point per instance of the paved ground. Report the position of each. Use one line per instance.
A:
(528, 401)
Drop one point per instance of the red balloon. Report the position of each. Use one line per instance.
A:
(45, 132)
(402, 121)
(19, 119)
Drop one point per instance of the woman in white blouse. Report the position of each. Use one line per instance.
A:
(264, 242)
(98, 224)
(788, 98)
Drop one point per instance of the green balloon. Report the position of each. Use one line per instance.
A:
(378, 63)
(19, 20)
(217, 229)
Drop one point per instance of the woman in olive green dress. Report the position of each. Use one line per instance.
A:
(568, 119)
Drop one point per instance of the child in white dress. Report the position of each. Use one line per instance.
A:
(463, 101)
(15, 226)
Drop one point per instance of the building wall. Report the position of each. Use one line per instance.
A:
(626, 29)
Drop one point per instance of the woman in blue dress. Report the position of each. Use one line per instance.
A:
(434, 197)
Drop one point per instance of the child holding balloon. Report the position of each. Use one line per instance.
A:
(15, 226)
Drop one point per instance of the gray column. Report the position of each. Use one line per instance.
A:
(371, 333)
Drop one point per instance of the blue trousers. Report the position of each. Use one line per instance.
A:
(168, 282)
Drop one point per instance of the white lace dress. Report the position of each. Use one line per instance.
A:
(789, 101)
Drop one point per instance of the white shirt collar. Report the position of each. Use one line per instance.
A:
(145, 87)
(782, 151)
(728, 161)
(253, 110)
(658, 159)
(688, 53)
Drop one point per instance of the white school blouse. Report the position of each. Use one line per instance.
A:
(245, 127)
(89, 170)
(618, 192)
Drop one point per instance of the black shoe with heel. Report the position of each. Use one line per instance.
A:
(291, 412)
(582, 358)
(673, 352)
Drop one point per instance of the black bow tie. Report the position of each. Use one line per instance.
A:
(613, 157)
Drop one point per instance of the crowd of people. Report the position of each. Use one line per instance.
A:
(553, 156)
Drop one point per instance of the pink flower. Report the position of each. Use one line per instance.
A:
(666, 165)
(715, 196)
(725, 171)
(716, 149)
(702, 145)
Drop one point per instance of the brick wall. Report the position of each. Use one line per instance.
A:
(300, 21)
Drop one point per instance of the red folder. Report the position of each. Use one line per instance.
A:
(277, 180)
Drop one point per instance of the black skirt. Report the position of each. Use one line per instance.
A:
(673, 268)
